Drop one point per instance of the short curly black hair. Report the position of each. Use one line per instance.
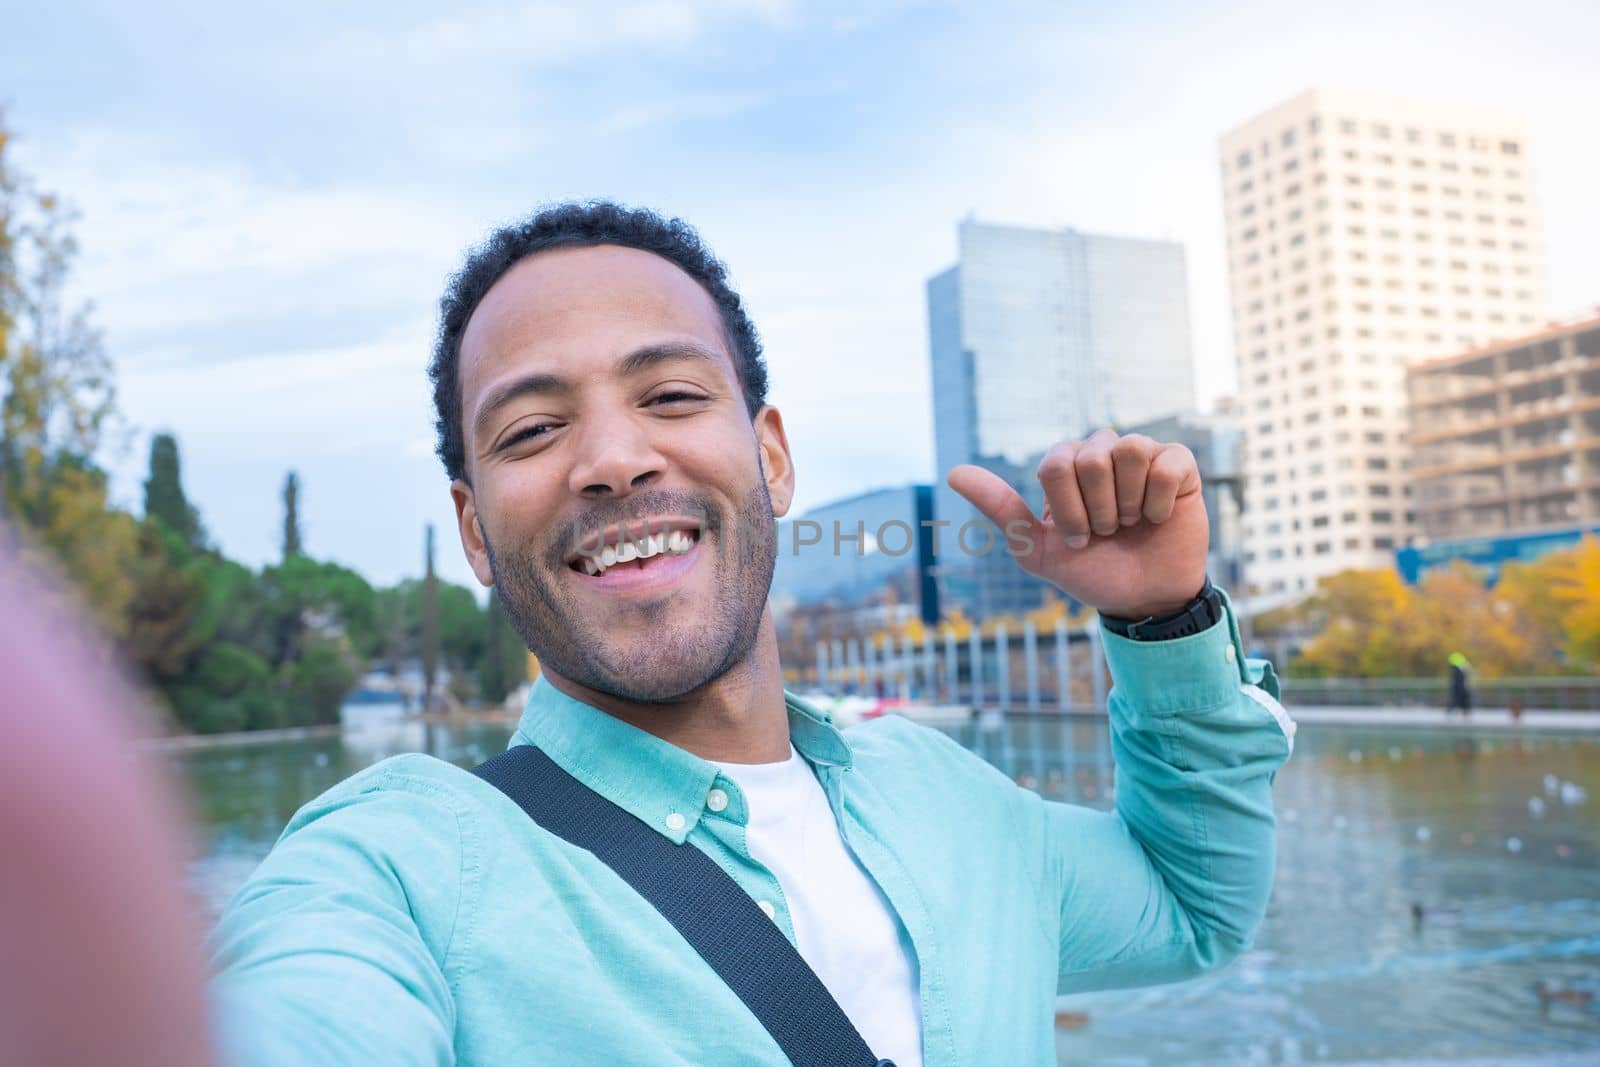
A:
(579, 224)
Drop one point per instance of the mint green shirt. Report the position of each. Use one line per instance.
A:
(414, 915)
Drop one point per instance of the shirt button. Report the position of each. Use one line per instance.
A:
(767, 909)
(675, 821)
(1228, 654)
(717, 800)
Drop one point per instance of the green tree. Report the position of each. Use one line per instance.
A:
(292, 545)
(164, 498)
(163, 636)
(302, 594)
(504, 663)
(321, 679)
(230, 688)
(430, 622)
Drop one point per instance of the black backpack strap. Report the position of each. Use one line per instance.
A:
(700, 899)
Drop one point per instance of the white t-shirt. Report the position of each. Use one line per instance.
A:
(843, 925)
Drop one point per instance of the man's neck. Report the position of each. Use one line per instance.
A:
(738, 718)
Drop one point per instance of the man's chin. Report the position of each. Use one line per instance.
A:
(646, 686)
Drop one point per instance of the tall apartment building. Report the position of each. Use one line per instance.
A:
(1364, 234)
(1036, 336)
(1506, 439)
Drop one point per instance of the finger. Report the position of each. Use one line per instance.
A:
(996, 499)
(1130, 463)
(1097, 481)
(1058, 475)
(1173, 473)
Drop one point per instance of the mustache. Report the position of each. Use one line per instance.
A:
(575, 530)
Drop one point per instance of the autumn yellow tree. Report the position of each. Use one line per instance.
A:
(1348, 612)
(56, 405)
(1542, 617)
(1558, 596)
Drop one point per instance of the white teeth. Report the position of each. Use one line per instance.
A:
(672, 543)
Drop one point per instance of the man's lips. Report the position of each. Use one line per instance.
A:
(635, 576)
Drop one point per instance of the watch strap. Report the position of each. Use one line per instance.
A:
(1200, 614)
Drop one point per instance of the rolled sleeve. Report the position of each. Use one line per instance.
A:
(1176, 879)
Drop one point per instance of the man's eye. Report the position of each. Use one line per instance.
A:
(523, 434)
(677, 396)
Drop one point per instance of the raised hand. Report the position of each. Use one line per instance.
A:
(1124, 527)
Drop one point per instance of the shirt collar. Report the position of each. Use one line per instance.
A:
(649, 778)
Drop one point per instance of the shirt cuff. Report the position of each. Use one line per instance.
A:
(1180, 674)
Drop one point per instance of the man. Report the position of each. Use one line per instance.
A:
(1460, 694)
(617, 472)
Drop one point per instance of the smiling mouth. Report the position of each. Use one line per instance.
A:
(634, 549)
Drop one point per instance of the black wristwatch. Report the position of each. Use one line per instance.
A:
(1201, 613)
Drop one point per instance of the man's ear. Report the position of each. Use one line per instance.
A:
(777, 466)
(471, 529)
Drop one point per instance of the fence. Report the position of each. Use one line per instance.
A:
(1066, 670)
(1547, 694)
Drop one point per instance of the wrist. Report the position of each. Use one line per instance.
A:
(1153, 608)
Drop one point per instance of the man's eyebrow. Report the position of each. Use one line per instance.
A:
(529, 384)
(648, 356)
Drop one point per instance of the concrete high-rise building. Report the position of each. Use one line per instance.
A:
(1506, 439)
(1364, 234)
(1037, 336)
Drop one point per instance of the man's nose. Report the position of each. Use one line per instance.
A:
(615, 457)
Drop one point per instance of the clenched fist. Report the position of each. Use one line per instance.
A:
(1124, 527)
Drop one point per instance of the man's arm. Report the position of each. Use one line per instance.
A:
(100, 958)
(329, 955)
(1176, 879)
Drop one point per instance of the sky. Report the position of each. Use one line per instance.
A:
(271, 200)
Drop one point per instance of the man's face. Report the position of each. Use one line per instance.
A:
(622, 502)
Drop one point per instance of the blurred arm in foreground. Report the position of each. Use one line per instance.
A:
(100, 958)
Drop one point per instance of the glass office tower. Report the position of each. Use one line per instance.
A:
(1038, 336)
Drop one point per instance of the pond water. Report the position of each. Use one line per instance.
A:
(1495, 836)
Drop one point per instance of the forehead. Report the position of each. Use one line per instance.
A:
(581, 309)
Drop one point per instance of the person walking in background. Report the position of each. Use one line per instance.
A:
(1460, 694)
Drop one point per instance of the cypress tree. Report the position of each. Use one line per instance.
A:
(430, 623)
(164, 498)
(291, 516)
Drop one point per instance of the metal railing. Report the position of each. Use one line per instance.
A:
(1547, 694)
